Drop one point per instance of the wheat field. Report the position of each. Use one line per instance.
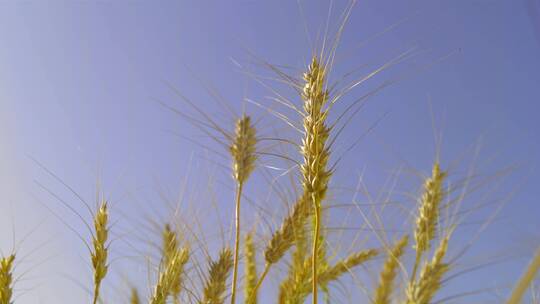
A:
(250, 152)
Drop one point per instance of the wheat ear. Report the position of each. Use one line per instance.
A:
(428, 214)
(173, 270)
(170, 248)
(389, 271)
(6, 279)
(429, 283)
(251, 271)
(526, 280)
(134, 298)
(315, 152)
(216, 283)
(100, 249)
(242, 151)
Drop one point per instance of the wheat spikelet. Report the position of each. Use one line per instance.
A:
(216, 282)
(428, 216)
(315, 175)
(388, 274)
(526, 280)
(100, 250)
(6, 279)
(173, 270)
(429, 283)
(242, 151)
(344, 266)
(251, 271)
(134, 299)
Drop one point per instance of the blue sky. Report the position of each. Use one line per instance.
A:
(79, 82)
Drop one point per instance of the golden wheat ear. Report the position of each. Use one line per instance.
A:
(242, 149)
(6, 279)
(169, 276)
(430, 278)
(134, 298)
(170, 249)
(383, 293)
(314, 149)
(526, 280)
(100, 250)
(216, 283)
(251, 271)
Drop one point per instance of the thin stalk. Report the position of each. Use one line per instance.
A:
(236, 241)
(525, 280)
(259, 282)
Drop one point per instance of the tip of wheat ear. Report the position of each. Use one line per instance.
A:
(170, 249)
(100, 250)
(6, 279)
(134, 299)
(428, 215)
(243, 148)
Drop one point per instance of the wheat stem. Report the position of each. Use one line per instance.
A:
(236, 242)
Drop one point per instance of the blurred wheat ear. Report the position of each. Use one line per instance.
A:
(6, 279)
(100, 249)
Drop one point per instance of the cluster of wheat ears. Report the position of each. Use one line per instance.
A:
(300, 241)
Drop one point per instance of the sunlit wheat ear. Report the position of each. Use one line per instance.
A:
(526, 280)
(429, 282)
(242, 150)
(428, 214)
(294, 290)
(383, 293)
(251, 271)
(216, 283)
(314, 149)
(100, 250)
(134, 298)
(170, 275)
(170, 249)
(6, 279)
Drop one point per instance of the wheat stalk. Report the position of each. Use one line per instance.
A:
(388, 274)
(173, 270)
(242, 150)
(6, 279)
(100, 249)
(216, 282)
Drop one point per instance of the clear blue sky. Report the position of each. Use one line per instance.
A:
(79, 82)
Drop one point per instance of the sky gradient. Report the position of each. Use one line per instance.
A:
(81, 82)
